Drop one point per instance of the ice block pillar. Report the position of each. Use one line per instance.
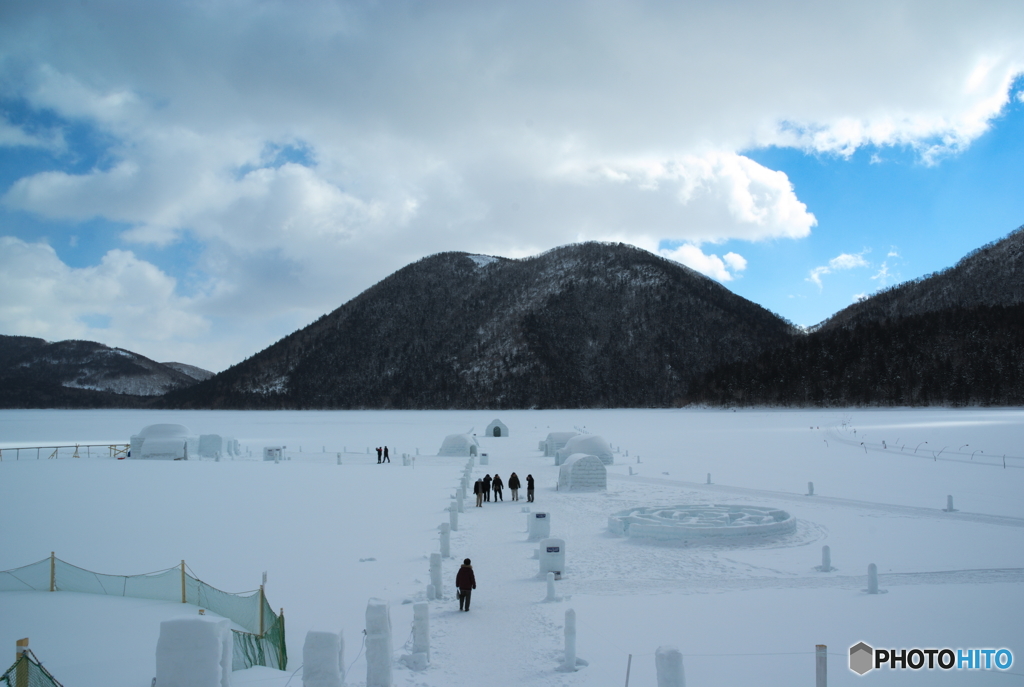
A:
(378, 643)
(668, 661)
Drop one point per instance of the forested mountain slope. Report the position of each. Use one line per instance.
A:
(588, 325)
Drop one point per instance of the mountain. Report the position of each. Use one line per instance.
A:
(196, 373)
(992, 275)
(952, 338)
(586, 325)
(36, 373)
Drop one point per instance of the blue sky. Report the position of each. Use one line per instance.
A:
(195, 181)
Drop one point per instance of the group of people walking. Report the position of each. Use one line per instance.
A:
(483, 488)
(382, 455)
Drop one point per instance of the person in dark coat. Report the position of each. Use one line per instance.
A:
(386, 454)
(513, 484)
(465, 583)
(487, 487)
(529, 488)
(379, 449)
(496, 486)
(478, 490)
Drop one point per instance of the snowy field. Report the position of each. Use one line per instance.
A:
(330, 537)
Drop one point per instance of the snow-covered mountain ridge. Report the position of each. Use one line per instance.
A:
(600, 325)
(36, 367)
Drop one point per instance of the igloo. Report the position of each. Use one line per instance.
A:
(497, 429)
(165, 442)
(590, 444)
(582, 472)
(459, 445)
(556, 440)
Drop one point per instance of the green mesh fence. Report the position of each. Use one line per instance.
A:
(28, 672)
(256, 646)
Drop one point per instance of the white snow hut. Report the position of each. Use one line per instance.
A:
(556, 440)
(497, 429)
(582, 472)
(165, 442)
(591, 444)
(459, 445)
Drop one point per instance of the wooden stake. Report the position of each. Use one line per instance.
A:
(21, 671)
(183, 599)
(53, 573)
(263, 602)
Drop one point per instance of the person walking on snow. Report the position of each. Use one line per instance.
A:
(496, 485)
(378, 454)
(529, 488)
(465, 583)
(487, 487)
(386, 454)
(513, 484)
(478, 489)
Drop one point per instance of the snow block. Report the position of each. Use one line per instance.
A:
(538, 526)
(668, 661)
(322, 660)
(194, 652)
(552, 557)
(378, 643)
(421, 630)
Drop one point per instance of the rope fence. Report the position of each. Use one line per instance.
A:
(260, 643)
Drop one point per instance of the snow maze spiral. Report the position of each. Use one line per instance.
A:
(701, 522)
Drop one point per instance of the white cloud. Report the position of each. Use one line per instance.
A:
(43, 297)
(500, 128)
(12, 136)
(721, 269)
(844, 261)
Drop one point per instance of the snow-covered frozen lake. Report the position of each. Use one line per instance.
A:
(332, 536)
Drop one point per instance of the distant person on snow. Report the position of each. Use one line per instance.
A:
(529, 488)
(378, 455)
(465, 583)
(478, 489)
(487, 487)
(496, 485)
(513, 484)
(386, 454)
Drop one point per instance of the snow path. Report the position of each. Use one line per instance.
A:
(507, 608)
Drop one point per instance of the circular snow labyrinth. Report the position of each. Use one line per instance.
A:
(701, 522)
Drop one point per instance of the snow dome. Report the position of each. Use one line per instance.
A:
(580, 471)
(591, 444)
(556, 440)
(165, 442)
(459, 445)
(497, 429)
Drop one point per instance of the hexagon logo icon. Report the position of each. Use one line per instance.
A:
(861, 658)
